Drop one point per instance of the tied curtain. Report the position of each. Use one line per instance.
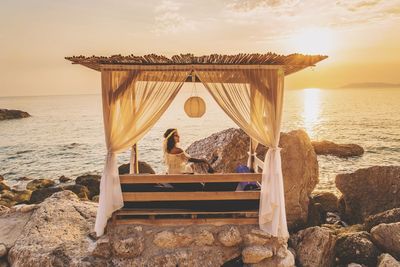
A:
(253, 99)
(133, 101)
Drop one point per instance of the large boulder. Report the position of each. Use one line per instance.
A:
(369, 191)
(144, 167)
(387, 237)
(338, 150)
(57, 233)
(92, 182)
(356, 248)
(227, 149)
(9, 114)
(314, 246)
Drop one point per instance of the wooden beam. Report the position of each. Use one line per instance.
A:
(183, 196)
(190, 178)
(179, 212)
(181, 221)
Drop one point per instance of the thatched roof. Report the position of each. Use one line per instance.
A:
(290, 63)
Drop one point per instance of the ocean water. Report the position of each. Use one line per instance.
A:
(64, 136)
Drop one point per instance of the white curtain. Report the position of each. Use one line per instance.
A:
(133, 101)
(253, 99)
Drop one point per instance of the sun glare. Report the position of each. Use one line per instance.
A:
(313, 41)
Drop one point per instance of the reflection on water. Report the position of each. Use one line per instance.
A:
(311, 109)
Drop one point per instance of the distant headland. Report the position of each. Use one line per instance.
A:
(371, 85)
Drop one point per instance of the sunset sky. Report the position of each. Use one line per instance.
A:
(361, 38)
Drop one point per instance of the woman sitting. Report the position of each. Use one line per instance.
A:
(176, 160)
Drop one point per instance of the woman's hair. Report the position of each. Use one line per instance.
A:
(170, 141)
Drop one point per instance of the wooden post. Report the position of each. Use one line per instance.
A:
(134, 167)
(250, 162)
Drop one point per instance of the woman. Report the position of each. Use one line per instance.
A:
(176, 160)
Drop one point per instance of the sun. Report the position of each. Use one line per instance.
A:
(313, 41)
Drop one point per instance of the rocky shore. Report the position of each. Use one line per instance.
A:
(50, 223)
(9, 114)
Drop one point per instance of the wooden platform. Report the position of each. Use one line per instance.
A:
(139, 206)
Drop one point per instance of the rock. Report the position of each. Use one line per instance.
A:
(316, 214)
(3, 186)
(255, 254)
(7, 202)
(1, 178)
(56, 233)
(3, 209)
(204, 238)
(129, 247)
(9, 114)
(389, 216)
(369, 191)
(3, 250)
(285, 259)
(40, 195)
(24, 208)
(329, 201)
(251, 240)
(80, 190)
(386, 260)
(22, 196)
(102, 248)
(168, 239)
(3, 263)
(96, 198)
(338, 150)
(143, 168)
(64, 179)
(227, 149)
(314, 246)
(387, 237)
(230, 236)
(92, 182)
(39, 184)
(356, 248)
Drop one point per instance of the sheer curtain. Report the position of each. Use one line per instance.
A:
(253, 99)
(133, 101)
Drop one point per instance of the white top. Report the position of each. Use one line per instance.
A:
(178, 163)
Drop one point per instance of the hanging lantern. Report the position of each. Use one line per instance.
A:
(195, 107)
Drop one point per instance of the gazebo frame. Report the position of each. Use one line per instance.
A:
(288, 64)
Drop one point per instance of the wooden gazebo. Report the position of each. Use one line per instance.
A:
(255, 79)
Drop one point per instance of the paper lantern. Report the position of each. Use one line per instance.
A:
(195, 107)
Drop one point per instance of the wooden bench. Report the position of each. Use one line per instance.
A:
(177, 208)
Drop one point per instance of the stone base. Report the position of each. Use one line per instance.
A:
(195, 245)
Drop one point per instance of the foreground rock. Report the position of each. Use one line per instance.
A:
(314, 247)
(369, 191)
(386, 260)
(9, 114)
(387, 237)
(338, 150)
(356, 248)
(389, 216)
(227, 149)
(57, 233)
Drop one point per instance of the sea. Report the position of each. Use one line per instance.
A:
(65, 134)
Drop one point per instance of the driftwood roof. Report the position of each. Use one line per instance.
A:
(290, 63)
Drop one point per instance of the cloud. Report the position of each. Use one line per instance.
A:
(249, 5)
(341, 13)
(169, 20)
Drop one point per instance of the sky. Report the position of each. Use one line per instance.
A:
(361, 38)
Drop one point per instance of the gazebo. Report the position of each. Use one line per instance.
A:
(137, 90)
